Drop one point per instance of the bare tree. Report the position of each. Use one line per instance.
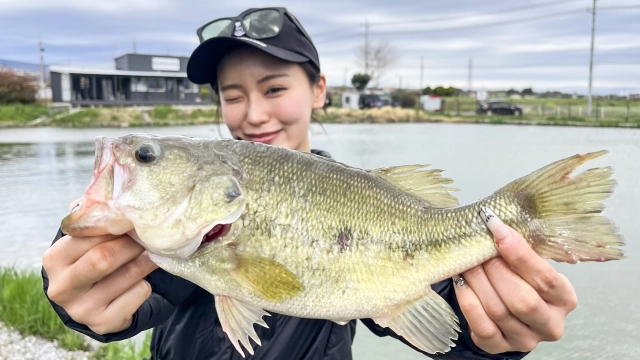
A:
(375, 58)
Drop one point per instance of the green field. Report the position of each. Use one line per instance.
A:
(544, 109)
(563, 112)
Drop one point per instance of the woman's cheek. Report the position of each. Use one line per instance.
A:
(293, 109)
(232, 117)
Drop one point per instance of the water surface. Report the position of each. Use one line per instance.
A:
(42, 170)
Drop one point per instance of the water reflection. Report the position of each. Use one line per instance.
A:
(38, 181)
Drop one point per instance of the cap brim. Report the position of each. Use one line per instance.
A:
(203, 63)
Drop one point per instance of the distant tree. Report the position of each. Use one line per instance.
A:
(513, 92)
(375, 59)
(15, 88)
(527, 91)
(360, 81)
(442, 91)
(427, 91)
(406, 99)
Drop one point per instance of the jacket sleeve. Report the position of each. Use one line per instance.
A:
(167, 292)
(465, 348)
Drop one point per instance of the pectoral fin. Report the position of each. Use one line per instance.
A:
(237, 319)
(265, 277)
(429, 324)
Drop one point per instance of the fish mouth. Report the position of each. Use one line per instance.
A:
(97, 214)
(214, 234)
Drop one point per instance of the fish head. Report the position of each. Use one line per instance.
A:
(167, 192)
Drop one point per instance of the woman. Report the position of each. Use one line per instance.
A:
(266, 71)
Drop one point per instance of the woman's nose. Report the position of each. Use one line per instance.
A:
(258, 112)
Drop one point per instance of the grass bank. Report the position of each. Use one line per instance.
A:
(393, 115)
(170, 116)
(25, 309)
(20, 114)
(129, 116)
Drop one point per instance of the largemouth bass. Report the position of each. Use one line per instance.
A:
(267, 228)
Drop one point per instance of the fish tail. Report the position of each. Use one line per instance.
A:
(568, 224)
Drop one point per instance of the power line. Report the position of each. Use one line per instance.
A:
(620, 7)
(458, 17)
(473, 26)
(446, 18)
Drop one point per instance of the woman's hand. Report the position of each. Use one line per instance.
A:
(98, 280)
(515, 301)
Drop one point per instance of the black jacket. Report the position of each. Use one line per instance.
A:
(186, 326)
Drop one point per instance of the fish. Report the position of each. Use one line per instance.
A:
(269, 229)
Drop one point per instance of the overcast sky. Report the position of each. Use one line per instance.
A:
(529, 43)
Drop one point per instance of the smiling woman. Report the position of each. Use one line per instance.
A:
(267, 72)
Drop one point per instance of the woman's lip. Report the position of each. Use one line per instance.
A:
(266, 138)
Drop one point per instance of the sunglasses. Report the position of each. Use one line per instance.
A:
(255, 23)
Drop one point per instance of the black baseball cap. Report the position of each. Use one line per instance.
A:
(281, 36)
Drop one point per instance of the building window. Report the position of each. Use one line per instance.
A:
(157, 84)
(139, 85)
(189, 87)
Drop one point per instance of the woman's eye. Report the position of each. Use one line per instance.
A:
(274, 90)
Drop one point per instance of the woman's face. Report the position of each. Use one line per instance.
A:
(265, 99)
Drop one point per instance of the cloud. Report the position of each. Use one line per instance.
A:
(513, 44)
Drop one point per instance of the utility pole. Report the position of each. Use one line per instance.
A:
(421, 72)
(470, 74)
(134, 45)
(593, 36)
(366, 46)
(344, 82)
(400, 88)
(41, 70)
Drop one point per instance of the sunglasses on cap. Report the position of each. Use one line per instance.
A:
(257, 24)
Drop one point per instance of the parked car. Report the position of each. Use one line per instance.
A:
(375, 101)
(498, 108)
(365, 100)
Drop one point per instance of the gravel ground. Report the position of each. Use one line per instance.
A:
(14, 347)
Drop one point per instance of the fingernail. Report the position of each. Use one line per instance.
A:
(493, 222)
(459, 280)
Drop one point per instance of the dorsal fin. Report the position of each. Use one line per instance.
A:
(416, 180)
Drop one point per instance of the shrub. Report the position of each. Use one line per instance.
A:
(15, 88)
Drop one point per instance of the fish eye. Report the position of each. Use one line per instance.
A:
(147, 153)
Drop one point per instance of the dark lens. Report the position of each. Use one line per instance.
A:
(217, 28)
(262, 24)
(146, 153)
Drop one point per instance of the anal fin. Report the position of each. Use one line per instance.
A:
(428, 323)
(237, 319)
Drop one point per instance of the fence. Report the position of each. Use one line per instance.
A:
(543, 108)
(623, 111)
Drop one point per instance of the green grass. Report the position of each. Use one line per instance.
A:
(164, 112)
(125, 350)
(20, 113)
(81, 118)
(25, 309)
